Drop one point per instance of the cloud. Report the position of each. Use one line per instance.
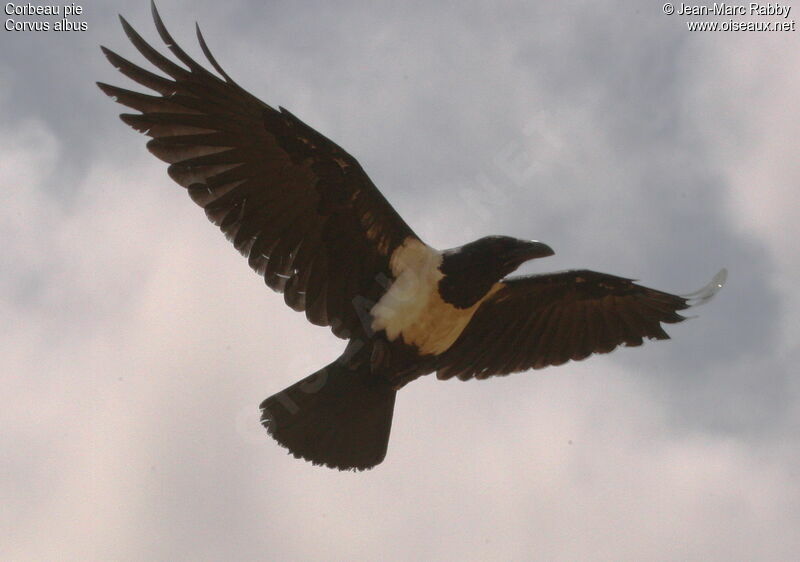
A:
(753, 134)
(139, 344)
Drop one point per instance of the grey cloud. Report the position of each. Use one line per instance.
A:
(140, 344)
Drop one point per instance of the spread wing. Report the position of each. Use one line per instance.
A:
(300, 208)
(540, 320)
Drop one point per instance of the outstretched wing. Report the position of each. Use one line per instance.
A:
(540, 320)
(300, 208)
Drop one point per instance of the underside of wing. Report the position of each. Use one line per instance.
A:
(299, 207)
(536, 321)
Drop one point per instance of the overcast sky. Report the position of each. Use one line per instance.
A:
(137, 344)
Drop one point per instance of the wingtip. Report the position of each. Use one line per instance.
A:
(706, 293)
(210, 57)
(111, 56)
(111, 91)
(128, 29)
(721, 277)
(162, 29)
(154, 11)
(199, 34)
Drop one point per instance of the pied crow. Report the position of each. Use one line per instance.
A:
(309, 220)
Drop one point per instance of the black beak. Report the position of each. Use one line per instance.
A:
(531, 250)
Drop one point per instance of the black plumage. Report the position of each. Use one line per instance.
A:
(311, 222)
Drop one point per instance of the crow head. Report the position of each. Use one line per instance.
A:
(471, 270)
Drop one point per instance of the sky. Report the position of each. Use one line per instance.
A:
(138, 344)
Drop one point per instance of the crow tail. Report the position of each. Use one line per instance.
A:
(339, 416)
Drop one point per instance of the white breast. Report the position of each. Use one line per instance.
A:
(412, 307)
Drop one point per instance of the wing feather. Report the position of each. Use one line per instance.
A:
(295, 204)
(537, 321)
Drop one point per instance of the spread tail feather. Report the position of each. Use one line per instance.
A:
(339, 416)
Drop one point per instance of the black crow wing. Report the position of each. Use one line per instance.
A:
(300, 208)
(536, 321)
